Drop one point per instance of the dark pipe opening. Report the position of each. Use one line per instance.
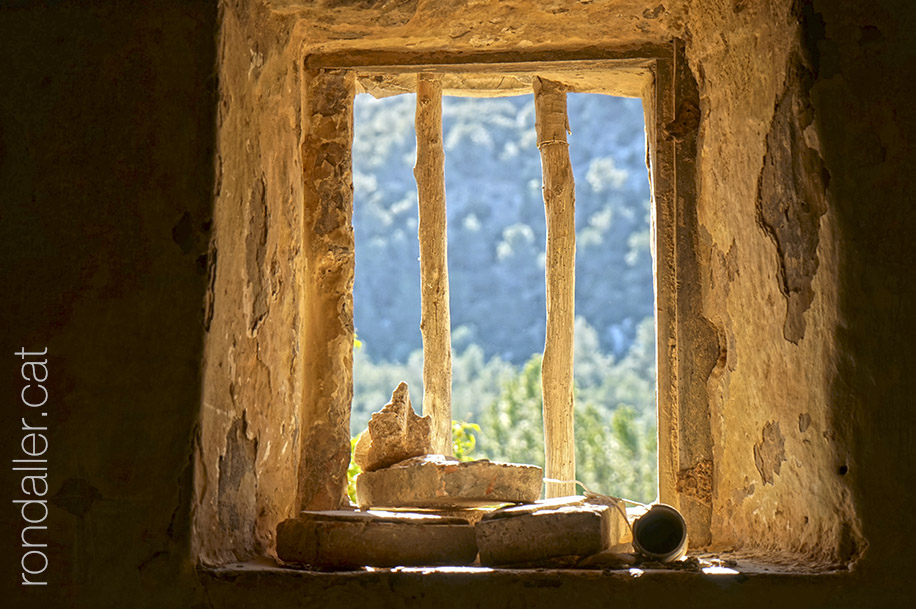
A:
(659, 531)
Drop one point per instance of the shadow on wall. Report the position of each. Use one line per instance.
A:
(856, 57)
(107, 120)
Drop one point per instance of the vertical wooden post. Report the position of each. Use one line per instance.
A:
(663, 174)
(435, 322)
(560, 208)
(327, 324)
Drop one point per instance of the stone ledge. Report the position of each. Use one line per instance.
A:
(754, 584)
(351, 539)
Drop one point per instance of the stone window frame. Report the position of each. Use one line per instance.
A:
(659, 75)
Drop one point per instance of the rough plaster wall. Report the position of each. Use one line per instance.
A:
(106, 131)
(768, 236)
(247, 461)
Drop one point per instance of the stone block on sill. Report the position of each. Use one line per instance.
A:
(546, 531)
(434, 481)
(347, 539)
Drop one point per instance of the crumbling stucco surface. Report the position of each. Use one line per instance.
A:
(252, 367)
(768, 239)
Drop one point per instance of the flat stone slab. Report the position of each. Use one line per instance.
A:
(471, 515)
(526, 535)
(348, 539)
(434, 481)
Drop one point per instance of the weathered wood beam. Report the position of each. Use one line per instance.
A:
(560, 208)
(435, 322)
(327, 322)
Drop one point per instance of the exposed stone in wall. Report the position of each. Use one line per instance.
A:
(238, 485)
(696, 482)
(792, 196)
(770, 452)
(327, 290)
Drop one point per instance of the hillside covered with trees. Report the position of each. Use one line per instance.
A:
(496, 237)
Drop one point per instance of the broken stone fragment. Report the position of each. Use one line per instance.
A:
(348, 539)
(435, 481)
(395, 433)
(529, 535)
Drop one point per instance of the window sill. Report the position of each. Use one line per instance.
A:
(756, 580)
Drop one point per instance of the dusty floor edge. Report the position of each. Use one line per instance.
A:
(727, 566)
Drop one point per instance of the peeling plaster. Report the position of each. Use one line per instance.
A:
(791, 198)
(256, 246)
(237, 480)
(770, 452)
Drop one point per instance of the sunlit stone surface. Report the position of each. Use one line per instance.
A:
(567, 526)
(340, 538)
(437, 481)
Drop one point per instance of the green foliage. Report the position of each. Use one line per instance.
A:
(464, 439)
(496, 229)
(512, 426)
(615, 417)
(353, 470)
(616, 443)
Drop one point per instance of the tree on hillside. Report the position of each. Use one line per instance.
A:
(615, 449)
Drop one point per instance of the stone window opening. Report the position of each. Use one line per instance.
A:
(723, 433)
(465, 176)
(317, 437)
(330, 85)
